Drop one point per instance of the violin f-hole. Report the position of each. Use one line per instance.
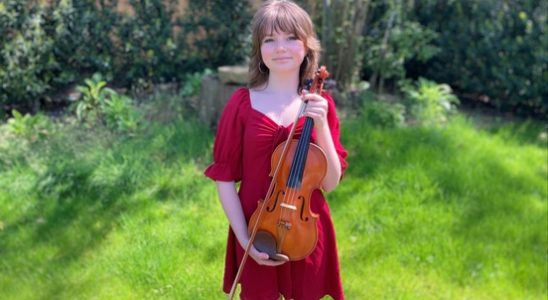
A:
(281, 193)
(303, 218)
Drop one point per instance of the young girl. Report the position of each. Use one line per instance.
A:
(255, 120)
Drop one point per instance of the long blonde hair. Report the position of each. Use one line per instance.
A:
(283, 16)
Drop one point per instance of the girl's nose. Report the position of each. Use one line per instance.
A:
(281, 46)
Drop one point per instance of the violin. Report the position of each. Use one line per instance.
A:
(283, 226)
(287, 227)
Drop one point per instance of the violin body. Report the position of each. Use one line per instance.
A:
(288, 226)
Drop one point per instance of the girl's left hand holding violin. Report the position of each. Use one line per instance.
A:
(316, 109)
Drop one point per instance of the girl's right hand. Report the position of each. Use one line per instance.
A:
(262, 258)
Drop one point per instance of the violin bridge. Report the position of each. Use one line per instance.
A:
(293, 207)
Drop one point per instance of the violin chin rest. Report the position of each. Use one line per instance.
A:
(265, 242)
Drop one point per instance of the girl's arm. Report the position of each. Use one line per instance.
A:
(234, 212)
(333, 175)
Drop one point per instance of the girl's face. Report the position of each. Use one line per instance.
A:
(282, 52)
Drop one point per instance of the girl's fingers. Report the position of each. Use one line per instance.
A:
(262, 258)
(272, 263)
(316, 108)
(313, 97)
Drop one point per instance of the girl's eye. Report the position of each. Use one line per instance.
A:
(292, 38)
(267, 40)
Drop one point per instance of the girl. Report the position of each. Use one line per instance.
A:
(255, 120)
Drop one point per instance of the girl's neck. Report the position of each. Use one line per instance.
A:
(283, 83)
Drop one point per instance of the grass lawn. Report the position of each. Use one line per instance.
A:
(453, 212)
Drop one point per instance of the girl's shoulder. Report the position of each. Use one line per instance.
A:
(238, 103)
(238, 98)
(240, 94)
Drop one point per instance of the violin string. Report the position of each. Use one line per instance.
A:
(290, 192)
(299, 161)
(295, 171)
(292, 188)
(300, 156)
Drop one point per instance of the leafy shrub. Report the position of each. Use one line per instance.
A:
(120, 113)
(149, 50)
(382, 114)
(93, 94)
(429, 102)
(99, 103)
(492, 50)
(219, 31)
(83, 34)
(392, 41)
(47, 45)
(193, 82)
(30, 127)
(25, 52)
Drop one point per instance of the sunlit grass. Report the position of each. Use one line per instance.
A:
(451, 212)
(443, 213)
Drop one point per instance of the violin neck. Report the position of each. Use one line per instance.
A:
(299, 159)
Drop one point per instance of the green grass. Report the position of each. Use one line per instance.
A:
(452, 212)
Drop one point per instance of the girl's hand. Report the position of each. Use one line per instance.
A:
(262, 258)
(316, 109)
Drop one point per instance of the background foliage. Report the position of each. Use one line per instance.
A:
(218, 33)
(489, 51)
(47, 46)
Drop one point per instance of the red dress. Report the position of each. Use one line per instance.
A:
(243, 145)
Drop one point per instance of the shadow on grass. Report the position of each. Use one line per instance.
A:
(82, 189)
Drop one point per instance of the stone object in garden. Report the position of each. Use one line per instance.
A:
(217, 89)
(233, 74)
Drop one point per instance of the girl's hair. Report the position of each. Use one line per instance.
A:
(282, 16)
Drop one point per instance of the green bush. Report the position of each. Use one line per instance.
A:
(491, 50)
(99, 103)
(25, 52)
(120, 113)
(382, 114)
(393, 39)
(193, 82)
(429, 103)
(220, 31)
(148, 50)
(30, 127)
(48, 45)
(93, 95)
